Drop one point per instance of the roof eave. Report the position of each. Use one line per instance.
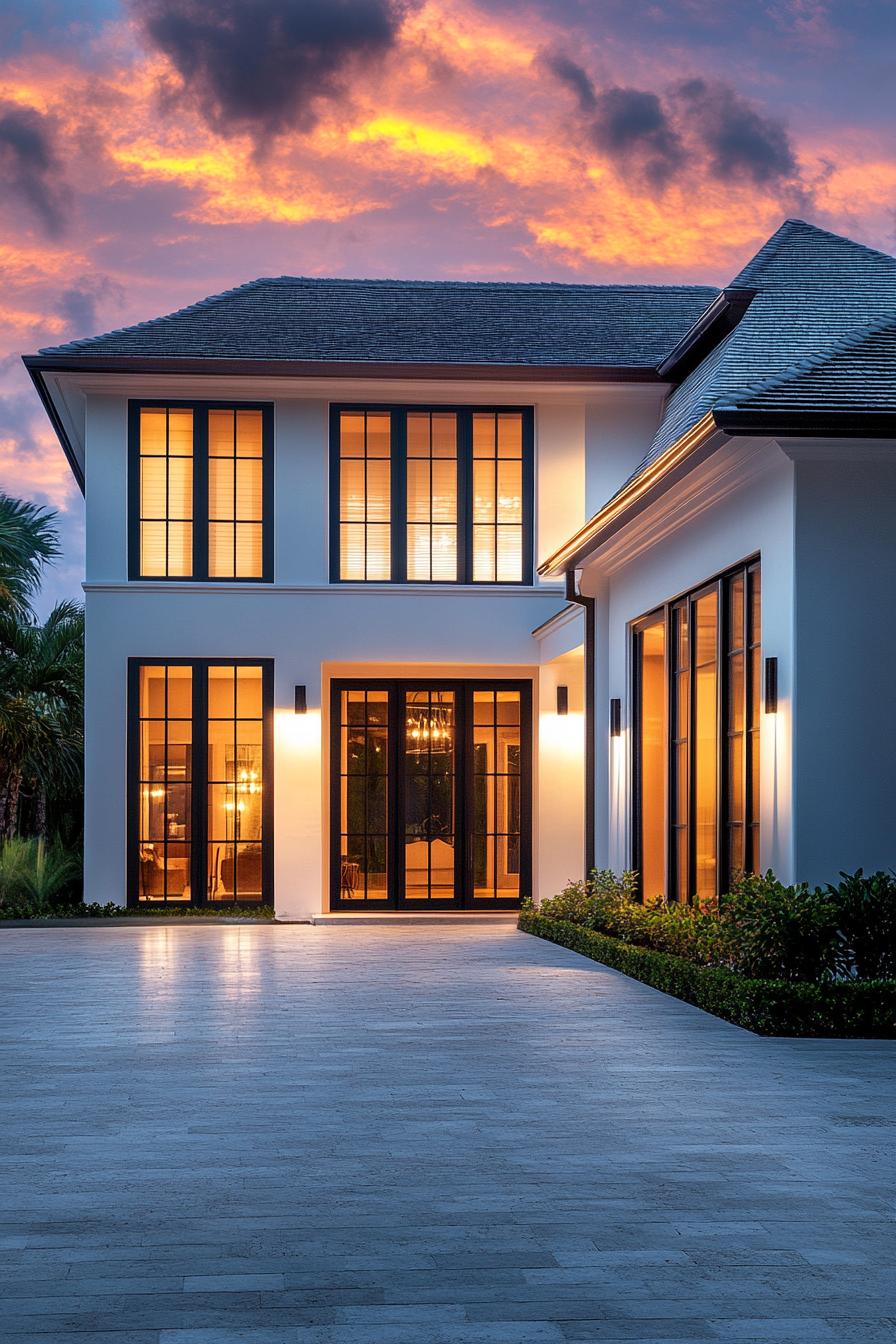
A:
(735, 421)
(679, 458)
(296, 368)
(37, 378)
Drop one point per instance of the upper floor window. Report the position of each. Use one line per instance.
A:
(431, 495)
(200, 486)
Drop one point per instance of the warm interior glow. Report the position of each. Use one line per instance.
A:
(166, 492)
(365, 545)
(235, 783)
(432, 496)
(165, 730)
(364, 821)
(706, 744)
(497, 497)
(235, 504)
(651, 646)
(497, 795)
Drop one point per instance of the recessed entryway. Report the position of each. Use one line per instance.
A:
(431, 787)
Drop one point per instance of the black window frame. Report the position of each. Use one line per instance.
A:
(200, 520)
(199, 784)
(720, 584)
(463, 689)
(398, 494)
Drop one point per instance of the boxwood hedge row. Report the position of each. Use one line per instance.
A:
(844, 1008)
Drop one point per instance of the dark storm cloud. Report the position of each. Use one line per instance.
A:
(633, 122)
(630, 126)
(29, 169)
(638, 129)
(574, 76)
(737, 137)
(263, 66)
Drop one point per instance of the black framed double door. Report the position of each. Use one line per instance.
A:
(431, 786)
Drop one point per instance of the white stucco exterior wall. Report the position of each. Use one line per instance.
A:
(738, 504)
(310, 627)
(845, 726)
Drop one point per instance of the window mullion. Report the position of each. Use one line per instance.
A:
(465, 496)
(199, 781)
(200, 492)
(398, 509)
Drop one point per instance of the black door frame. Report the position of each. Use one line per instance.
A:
(463, 689)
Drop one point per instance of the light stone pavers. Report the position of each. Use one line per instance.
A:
(412, 1135)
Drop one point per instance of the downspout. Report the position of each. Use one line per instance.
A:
(573, 595)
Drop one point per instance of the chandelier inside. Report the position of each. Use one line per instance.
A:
(430, 725)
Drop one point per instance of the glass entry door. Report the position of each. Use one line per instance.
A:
(430, 794)
(428, 856)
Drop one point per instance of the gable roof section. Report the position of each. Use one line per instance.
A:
(414, 322)
(812, 289)
(814, 352)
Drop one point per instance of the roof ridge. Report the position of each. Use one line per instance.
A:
(809, 363)
(759, 263)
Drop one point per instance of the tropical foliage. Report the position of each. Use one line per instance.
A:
(41, 686)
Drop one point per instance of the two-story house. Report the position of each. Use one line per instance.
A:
(425, 596)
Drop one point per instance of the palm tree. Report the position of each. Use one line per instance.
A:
(41, 709)
(28, 541)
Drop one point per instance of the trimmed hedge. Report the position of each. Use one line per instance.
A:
(257, 913)
(845, 1008)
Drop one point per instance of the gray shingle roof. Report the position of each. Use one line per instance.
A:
(854, 375)
(813, 290)
(420, 322)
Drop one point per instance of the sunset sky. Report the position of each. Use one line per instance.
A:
(156, 152)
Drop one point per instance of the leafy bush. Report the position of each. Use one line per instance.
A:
(37, 879)
(761, 928)
(866, 910)
(774, 932)
(845, 1008)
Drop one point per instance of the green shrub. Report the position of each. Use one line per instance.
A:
(760, 928)
(845, 1008)
(37, 879)
(774, 932)
(866, 913)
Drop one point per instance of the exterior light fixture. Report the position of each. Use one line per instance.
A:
(771, 685)
(562, 699)
(301, 700)
(615, 718)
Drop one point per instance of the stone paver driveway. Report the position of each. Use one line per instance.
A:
(421, 1135)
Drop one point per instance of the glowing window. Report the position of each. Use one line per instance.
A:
(432, 495)
(199, 483)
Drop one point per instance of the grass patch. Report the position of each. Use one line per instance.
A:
(835, 1008)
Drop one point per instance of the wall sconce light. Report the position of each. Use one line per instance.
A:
(301, 700)
(562, 699)
(615, 718)
(771, 685)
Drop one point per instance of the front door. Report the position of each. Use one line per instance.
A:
(430, 794)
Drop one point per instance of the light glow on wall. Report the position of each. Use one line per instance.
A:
(297, 732)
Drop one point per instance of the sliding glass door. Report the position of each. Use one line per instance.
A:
(430, 794)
